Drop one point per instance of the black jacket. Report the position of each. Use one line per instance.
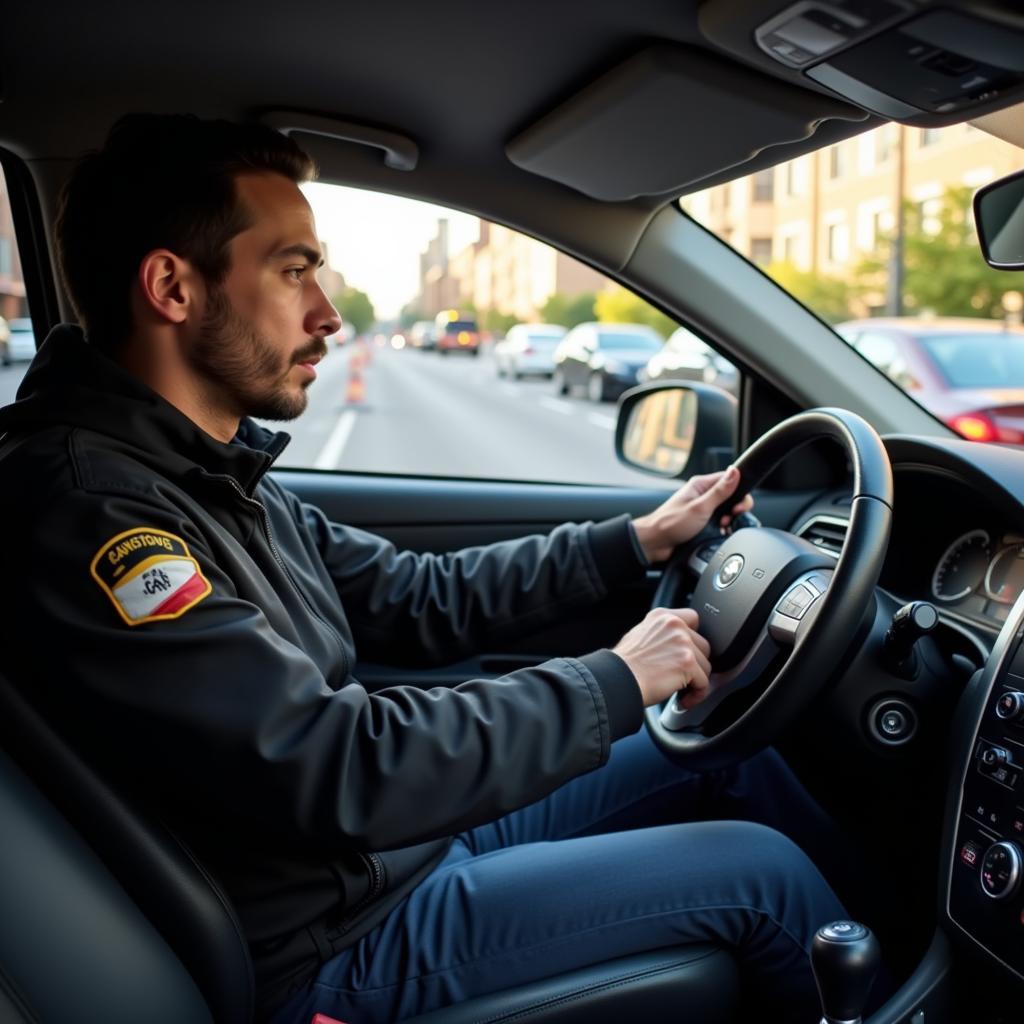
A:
(194, 626)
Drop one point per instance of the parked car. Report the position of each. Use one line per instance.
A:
(528, 349)
(969, 373)
(686, 357)
(603, 358)
(423, 335)
(21, 344)
(454, 333)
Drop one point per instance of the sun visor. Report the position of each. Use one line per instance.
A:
(666, 118)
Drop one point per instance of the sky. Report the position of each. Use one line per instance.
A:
(375, 239)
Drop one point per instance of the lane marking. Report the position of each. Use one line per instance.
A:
(556, 405)
(600, 420)
(330, 454)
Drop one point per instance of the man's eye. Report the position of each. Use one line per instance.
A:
(296, 272)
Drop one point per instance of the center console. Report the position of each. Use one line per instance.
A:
(985, 856)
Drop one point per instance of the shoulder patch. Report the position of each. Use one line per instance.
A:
(149, 575)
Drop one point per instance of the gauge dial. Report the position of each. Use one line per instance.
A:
(962, 567)
(1005, 577)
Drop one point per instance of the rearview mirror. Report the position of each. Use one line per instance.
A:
(999, 217)
(672, 430)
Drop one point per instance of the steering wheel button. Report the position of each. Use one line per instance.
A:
(819, 583)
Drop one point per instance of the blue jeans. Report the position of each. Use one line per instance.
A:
(618, 861)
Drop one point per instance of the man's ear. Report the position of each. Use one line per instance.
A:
(168, 285)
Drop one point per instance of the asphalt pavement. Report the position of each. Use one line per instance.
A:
(426, 414)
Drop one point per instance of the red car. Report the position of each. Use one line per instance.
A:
(457, 335)
(969, 373)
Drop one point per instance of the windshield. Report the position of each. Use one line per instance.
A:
(640, 342)
(992, 360)
(881, 225)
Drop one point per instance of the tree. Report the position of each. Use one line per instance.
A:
(828, 297)
(409, 315)
(356, 308)
(498, 323)
(620, 305)
(568, 310)
(944, 272)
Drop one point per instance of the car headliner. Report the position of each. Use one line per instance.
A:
(460, 79)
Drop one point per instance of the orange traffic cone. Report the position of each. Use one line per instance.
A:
(355, 390)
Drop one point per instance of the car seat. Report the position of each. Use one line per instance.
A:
(108, 917)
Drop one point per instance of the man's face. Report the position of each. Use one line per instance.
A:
(264, 327)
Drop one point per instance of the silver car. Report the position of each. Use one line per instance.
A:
(528, 349)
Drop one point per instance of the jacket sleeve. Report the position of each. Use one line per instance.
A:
(218, 710)
(439, 608)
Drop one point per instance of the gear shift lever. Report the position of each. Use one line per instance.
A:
(845, 957)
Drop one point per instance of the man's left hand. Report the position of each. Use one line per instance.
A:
(685, 514)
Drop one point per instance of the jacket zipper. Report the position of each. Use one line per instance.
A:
(265, 521)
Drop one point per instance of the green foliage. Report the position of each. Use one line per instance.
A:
(828, 297)
(944, 272)
(620, 306)
(568, 310)
(498, 323)
(409, 315)
(356, 308)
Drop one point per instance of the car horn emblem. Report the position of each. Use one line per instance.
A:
(730, 571)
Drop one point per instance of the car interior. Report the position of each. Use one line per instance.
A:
(893, 685)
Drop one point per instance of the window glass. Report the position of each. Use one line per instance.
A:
(17, 338)
(424, 378)
(881, 226)
(978, 360)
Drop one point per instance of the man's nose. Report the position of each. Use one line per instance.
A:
(323, 319)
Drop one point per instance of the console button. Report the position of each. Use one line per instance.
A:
(969, 854)
(1010, 706)
(1000, 870)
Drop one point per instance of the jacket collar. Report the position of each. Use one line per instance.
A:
(71, 383)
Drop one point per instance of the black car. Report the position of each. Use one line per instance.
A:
(603, 359)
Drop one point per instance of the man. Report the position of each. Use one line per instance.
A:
(205, 626)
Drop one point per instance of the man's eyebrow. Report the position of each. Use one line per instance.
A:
(312, 256)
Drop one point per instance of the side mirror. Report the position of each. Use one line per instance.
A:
(674, 430)
(999, 218)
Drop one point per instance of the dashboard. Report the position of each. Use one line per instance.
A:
(957, 542)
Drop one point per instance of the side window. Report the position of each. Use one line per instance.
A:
(468, 350)
(17, 339)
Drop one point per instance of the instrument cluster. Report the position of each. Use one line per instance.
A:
(980, 573)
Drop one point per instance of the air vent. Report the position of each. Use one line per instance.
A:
(825, 532)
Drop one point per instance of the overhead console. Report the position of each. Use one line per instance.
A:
(906, 60)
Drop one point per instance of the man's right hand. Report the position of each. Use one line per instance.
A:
(666, 653)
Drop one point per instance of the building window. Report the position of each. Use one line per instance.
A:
(761, 251)
(764, 186)
(838, 243)
(791, 179)
(837, 162)
(928, 136)
(885, 142)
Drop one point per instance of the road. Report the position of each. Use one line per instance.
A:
(423, 413)
(444, 416)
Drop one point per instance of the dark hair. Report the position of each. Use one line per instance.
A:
(160, 181)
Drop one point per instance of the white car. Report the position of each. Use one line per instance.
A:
(20, 344)
(528, 349)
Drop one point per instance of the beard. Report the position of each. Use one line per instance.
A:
(244, 367)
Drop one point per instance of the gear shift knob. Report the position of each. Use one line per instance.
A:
(845, 957)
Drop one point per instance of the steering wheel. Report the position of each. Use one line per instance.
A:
(777, 611)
